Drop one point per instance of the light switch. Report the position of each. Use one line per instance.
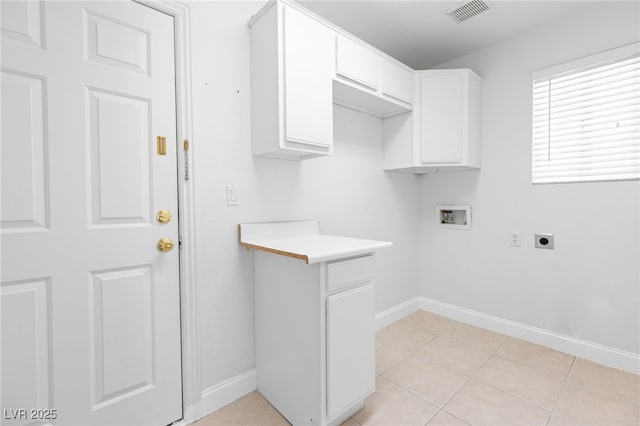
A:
(232, 195)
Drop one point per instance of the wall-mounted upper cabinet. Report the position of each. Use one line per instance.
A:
(292, 65)
(301, 65)
(397, 82)
(369, 82)
(443, 132)
(357, 63)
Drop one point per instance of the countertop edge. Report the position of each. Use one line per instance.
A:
(322, 257)
(276, 251)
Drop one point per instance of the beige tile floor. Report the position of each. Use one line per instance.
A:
(435, 371)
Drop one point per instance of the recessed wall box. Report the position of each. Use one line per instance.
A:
(544, 241)
(453, 217)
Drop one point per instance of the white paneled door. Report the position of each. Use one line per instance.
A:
(89, 304)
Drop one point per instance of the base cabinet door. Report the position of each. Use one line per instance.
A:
(350, 348)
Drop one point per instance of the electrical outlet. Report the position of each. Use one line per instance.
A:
(515, 239)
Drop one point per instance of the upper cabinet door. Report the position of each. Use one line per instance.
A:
(357, 63)
(397, 82)
(309, 52)
(442, 121)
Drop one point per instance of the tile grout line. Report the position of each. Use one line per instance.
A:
(469, 377)
(503, 343)
(407, 356)
(435, 337)
(564, 381)
(426, 400)
(246, 416)
(475, 348)
(448, 400)
(404, 358)
(537, 369)
(353, 420)
(483, 364)
(432, 417)
(609, 397)
(512, 395)
(440, 408)
(564, 384)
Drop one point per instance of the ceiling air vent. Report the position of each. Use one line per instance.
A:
(468, 10)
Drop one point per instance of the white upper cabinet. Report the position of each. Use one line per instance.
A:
(370, 82)
(308, 66)
(300, 66)
(397, 82)
(357, 62)
(442, 117)
(443, 132)
(292, 64)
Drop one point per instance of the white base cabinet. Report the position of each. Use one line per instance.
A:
(443, 131)
(315, 337)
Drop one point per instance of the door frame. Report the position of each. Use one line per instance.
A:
(191, 385)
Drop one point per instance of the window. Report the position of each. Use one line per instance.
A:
(586, 119)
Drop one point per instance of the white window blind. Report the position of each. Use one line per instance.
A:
(586, 119)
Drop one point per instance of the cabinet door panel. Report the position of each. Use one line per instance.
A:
(308, 67)
(441, 122)
(350, 348)
(397, 82)
(357, 63)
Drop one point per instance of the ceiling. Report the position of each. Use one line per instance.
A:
(420, 34)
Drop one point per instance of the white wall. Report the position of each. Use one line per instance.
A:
(348, 192)
(588, 286)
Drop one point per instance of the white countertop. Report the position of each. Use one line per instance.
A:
(302, 240)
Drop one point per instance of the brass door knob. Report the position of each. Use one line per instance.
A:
(163, 216)
(165, 245)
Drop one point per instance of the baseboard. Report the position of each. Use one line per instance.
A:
(226, 392)
(397, 312)
(592, 351)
